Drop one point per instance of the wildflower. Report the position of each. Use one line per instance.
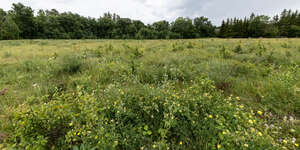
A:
(246, 145)
(259, 112)
(210, 116)
(241, 106)
(154, 146)
(219, 146)
(259, 134)
(297, 145)
(293, 139)
(250, 121)
(238, 98)
(291, 118)
(224, 132)
(180, 143)
(70, 124)
(284, 141)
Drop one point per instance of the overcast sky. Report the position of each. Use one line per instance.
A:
(154, 10)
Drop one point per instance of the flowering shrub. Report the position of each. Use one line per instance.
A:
(141, 117)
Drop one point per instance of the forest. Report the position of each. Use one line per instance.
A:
(21, 22)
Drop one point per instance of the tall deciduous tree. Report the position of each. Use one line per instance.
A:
(9, 29)
(184, 27)
(23, 16)
(204, 27)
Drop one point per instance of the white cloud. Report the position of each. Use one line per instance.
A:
(154, 10)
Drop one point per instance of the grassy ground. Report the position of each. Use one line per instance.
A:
(259, 76)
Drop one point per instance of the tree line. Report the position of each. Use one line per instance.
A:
(287, 24)
(21, 23)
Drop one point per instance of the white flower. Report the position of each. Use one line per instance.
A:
(284, 118)
(293, 140)
(291, 118)
(35, 85)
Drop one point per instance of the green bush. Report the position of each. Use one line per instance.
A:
(225, 53)
(238, 49)
(142, 117)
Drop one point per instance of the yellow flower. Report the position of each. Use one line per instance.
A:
(154, 146)
(210, 116)
(238, 98)
(180, 143)
(259, 112)
(250, 121)
(259, 134)
(70, 124)
(284, 141)
(219, 146)
(224, 132)
(241, 106)
(246, 145)
(297, 145)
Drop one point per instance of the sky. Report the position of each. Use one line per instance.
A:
(150, 11)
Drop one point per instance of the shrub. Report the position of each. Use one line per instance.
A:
(142, 117)
(189, 45)
(71, 64)
(238, 49)
(225, 53)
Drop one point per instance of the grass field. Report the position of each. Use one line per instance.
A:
(160, 94)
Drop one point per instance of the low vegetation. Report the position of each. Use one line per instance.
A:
(143, 94)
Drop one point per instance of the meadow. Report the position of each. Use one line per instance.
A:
(150, 94)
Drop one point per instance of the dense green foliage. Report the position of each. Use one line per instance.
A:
(50, 24)
(285, 25)
(160, 94)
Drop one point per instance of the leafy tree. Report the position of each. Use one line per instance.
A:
(146, 33)
(23, 16)
(204, 27)
(9, 29)
(105, 27)
(162, 28)
(2, 16)
(184, 27)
